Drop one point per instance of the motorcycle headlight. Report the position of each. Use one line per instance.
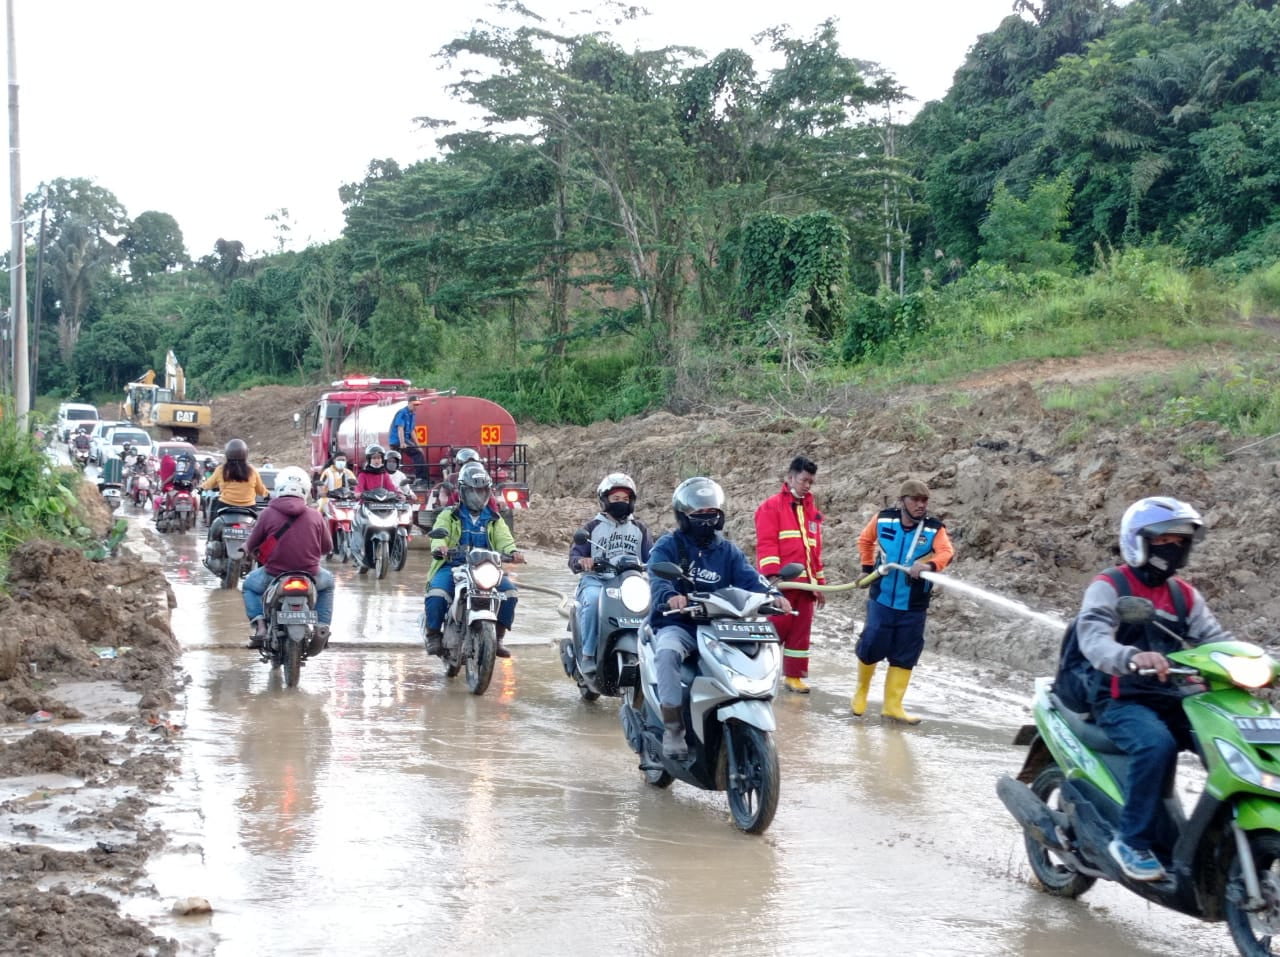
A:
(487, 575)
(634, 592)
(1245, 672)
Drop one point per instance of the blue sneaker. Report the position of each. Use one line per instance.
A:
(1138, 864)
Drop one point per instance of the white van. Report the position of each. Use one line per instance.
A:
(71, 415)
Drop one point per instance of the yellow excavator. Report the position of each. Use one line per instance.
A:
(151, 406)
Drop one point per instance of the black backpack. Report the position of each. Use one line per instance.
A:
(1071, 684)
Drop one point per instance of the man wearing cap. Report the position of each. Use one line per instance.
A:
(789, 529)
(402, 438)
(907, 536)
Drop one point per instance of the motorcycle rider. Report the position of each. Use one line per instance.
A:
(472, 523)
(372, 476)
(335, 476)
(446, 493)
(712, 562)
(403, 483)
(1143, 715)
(238, 483)
(289, 537)
(616, 534)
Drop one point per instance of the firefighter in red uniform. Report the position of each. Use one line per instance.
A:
(789, 529)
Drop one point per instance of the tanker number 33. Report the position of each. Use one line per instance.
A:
(490, 435)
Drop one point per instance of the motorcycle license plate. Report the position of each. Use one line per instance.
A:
(235, 533)
(295, 617)
(183, 508)
(743, 630)
(1259, 730)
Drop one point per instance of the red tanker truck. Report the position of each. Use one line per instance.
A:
(358, 410)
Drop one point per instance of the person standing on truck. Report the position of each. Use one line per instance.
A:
(403, 440)
(789, 529)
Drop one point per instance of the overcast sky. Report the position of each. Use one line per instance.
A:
(222, 113)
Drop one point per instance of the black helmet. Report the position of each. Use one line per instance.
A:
(695, 495)
(474, 485)
(209, 464)
(369, 452)
(393, 460)
(236, 450)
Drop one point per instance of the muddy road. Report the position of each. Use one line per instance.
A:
(380, 808)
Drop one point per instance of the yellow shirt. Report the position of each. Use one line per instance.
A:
(236, 493)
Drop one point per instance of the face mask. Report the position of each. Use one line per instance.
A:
(474, 499)
(1168, 558)
(339, 463)
(702, 529)
(617, 510)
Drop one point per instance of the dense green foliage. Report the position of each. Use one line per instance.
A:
(626, 229)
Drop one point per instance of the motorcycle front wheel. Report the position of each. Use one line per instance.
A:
(1256, 933)
(340, 544)
(380, 559)
(399, 552)
(753, 777)
(1054, 876)
(231, 573)
(483, 651)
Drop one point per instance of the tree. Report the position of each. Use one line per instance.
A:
(152, 245)
(1025, 235)
(328, 309)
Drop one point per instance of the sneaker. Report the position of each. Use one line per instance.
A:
(1138, 864)
(796, 685)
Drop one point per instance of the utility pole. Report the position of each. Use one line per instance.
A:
(18, 249)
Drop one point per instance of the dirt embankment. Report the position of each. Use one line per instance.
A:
(82, 640)
(1033, 509)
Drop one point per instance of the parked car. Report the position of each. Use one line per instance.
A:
(113, 440)
(73, 414)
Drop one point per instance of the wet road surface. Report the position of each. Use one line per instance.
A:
(381, 809)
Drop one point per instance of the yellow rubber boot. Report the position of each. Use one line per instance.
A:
(865, 673)
(895, 686)
(796, 685)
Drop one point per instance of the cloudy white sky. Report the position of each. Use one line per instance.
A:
(223, 113)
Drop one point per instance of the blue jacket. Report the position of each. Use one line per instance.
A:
(402, 424)
(719, 565)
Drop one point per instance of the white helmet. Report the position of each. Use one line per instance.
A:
(1149, 517)
(291, 481)
(612, 481)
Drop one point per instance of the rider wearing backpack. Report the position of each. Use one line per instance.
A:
(1142, 714)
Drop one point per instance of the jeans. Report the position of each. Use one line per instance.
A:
(256, 582)
(674, 644)
(1153, 742)
(588, 598)
(442, 584)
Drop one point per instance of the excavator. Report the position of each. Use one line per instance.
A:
(149, 405)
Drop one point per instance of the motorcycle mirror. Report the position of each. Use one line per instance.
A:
(438, 533)
(1134, 610)
(790, 570)
(668, 570)
(580, 537)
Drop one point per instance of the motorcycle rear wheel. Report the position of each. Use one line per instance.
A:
(484, 649)
(231, 573)
(1055, 877)
(1258, 934)
(292, 662)
(754, 778)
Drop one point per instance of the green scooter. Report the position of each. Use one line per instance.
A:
(1223, 861)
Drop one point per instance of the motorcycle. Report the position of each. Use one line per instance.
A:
(207, 497)
(1223, 861)
(224, 550)
(139, 489)
(290, 606)
(176, 508)
(111, 481)
(339, 508)
(728, 703)
(622, 608)
(80, 455)
(470, 625)
(377, 517)
(404, 532)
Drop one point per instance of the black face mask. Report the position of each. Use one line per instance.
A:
(617, 510)
(702, 530)
(1162, 562)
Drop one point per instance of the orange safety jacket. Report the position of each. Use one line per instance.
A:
(789, 530)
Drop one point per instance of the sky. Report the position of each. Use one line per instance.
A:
(223, 114)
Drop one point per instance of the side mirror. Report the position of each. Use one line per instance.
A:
(438, 533)
(790, 570)
(667, 570)
(1134, 610)
(580, 537)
